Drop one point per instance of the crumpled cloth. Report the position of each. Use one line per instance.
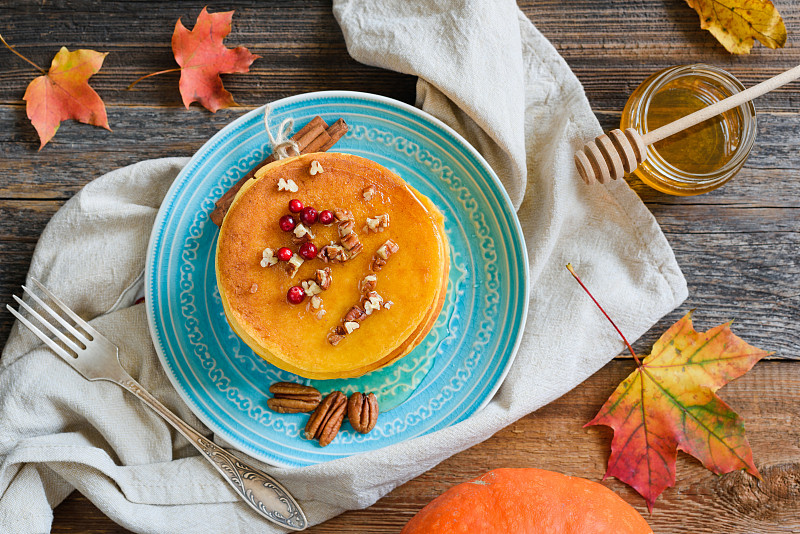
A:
(487, 72)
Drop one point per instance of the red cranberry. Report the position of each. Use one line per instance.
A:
(295, 295)
(287, 223)
(308, 251)
(295, 206)
(326, 217)
(308, 216)
(285, 254)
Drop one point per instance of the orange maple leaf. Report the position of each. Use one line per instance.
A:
(203, 57)
(63, 92)
(669, 402)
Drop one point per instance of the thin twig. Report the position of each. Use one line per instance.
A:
(21, 56)
(572, 272)
(176, 69)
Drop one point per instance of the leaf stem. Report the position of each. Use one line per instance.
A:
(21, 56)
(176, 69)
(572, 272)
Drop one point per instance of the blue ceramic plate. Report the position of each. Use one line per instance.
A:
(447, 378)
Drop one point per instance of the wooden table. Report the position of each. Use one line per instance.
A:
(739, 246)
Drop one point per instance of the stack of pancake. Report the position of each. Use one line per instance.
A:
(296, 337)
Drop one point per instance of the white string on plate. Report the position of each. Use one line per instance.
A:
(282, 142)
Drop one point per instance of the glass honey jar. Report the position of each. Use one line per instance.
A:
(703, 157)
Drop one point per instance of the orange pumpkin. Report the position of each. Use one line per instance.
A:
(529, 501)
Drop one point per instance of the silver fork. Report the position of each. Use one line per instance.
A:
(98, 359)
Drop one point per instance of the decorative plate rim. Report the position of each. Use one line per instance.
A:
(162, 214)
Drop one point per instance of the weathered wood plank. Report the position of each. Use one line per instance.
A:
(767, 398)
(80, 153)
(612, 47)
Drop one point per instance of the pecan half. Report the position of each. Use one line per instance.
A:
(327, 419)
(293, 398)
(362, 411)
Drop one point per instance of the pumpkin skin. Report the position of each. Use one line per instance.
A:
(528, 501)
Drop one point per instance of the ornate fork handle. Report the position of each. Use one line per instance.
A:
(259, 490)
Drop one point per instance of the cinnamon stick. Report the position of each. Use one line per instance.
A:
(316, 136)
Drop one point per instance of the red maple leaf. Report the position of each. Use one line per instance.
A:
(203, 57)
(669, 402)
(63, 92)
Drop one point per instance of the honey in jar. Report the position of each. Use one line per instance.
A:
(703, 157)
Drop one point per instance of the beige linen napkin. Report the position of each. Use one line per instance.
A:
(487, 72)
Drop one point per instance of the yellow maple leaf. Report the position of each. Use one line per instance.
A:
(735, 23)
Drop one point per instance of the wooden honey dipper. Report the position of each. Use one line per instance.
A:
(610, 156)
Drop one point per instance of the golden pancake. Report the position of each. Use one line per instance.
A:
(298, 337)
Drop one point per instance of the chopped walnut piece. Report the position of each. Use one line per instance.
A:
(323, 278)
(287, 185)
(334, 338)
(355, 314)
(301, 231)
(368, 192)
(388, 304)
(268, 258)
(316, 168)
(310, 287)
(372, 302)
(350, 326)
(253, 288)
(377, 224)
(316, 302)
(294, 264)
(320, 314)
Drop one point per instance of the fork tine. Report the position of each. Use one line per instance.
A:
(74, 316)
(41, 335)
(72, 330)
(56, 332)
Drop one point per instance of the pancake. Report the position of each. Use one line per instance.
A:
(297, 337)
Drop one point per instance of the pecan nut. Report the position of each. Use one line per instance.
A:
(362, 411)
(350, 240)
(327, 419)
(332, 253)
(355, 314)
(293, 398)
(343, 214)
(377, 264)
(323, 278)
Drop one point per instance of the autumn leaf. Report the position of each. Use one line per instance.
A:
(669, 403)
(63, 92)
(736, 23)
